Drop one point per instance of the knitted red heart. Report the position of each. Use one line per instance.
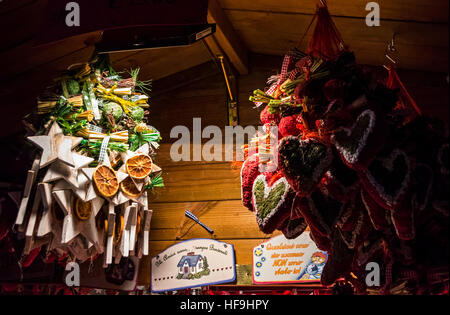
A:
(441, 185)
(340, 259)
(295, 225)
(350, 213)
(288, 126)
(379, 216)
(354, 224)
(320, 211)
(402, 217)
(322, 242)
(272, 203)
(303, 163)
(387, 178)
(341, 181)
(443, 159)
(249, 172)
(359, 144)
(423, 182)
(268, 118)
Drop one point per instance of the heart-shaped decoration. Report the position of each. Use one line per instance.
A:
(295, 225)
(249, 172)
(353, 238)
(341, 181)
(356, 144)
(348, 218)
(272, 203)
(379, 217)
(402, 217)
(303, 163)
(294, 228)
(387, 178)
(321, 211)
(443, 159)
(354, 224)
(423, 182)
(371, 250)
(340, 259)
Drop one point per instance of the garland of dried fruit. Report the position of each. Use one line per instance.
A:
(86, 193)
(355, 164)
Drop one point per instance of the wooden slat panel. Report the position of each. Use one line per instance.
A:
(164, 160)
(159, 63)
(412, 10)
(228, 219)
(227, 38)
(204, 99)
(199, 183)
(20, 24)
(26, 57)
(7, 7)
(421, 46)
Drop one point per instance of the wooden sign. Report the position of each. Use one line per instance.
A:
(193, 263)
(280, 260)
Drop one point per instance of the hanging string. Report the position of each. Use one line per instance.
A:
(405, 100)
(326, 41)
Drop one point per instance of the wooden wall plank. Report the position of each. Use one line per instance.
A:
(227, 38)
(421, 46)
(163, 158)
(24, 58)
(20, 24)
(413, 10)
(229, 220)
(7, 7)
(159, 63)
(199, 183)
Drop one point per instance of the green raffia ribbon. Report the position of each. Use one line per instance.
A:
(260, 96)
(156, 181)
(94, 147)
(139, 139)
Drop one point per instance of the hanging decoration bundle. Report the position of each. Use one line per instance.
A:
(358, 164)
(87, 191)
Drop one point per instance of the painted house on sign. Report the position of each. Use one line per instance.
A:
(191, 263)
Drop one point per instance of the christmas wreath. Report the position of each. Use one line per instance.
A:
(86, 194)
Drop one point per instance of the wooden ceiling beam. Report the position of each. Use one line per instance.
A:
(226, 39)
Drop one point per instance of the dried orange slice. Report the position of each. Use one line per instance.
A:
(129, 188)
(83, 210)
(139, 166)
(106, 181)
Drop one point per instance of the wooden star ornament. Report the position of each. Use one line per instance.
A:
(56, 146)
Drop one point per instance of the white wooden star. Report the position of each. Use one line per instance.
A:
(59, 170)
(91, 193)
(56, 146)
(49, 224)
(129, 154)
(72, 226)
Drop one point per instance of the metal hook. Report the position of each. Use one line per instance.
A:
(391, 48)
